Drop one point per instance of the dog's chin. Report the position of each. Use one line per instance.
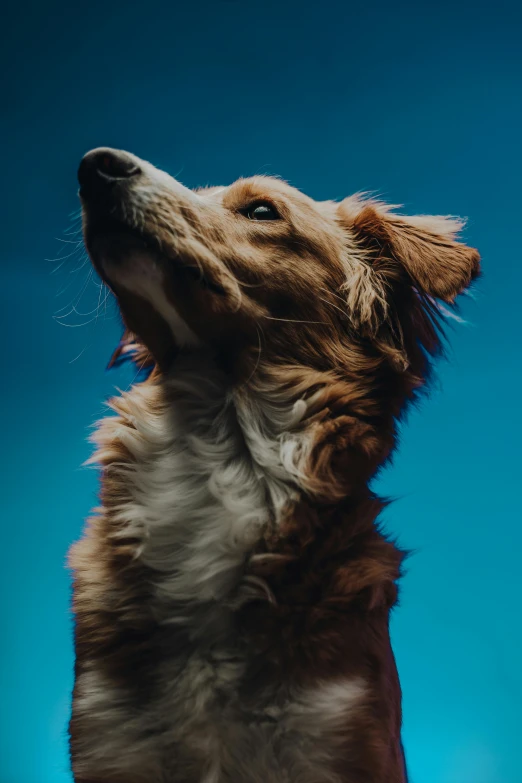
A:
(136, 273)
(122, 257)
(132, 266)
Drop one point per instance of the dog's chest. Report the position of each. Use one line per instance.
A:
(201, 728)
(197, 503)
(168, 732)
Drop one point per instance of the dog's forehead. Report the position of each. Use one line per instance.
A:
(254, 187)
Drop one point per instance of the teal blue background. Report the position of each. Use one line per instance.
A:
(417, 101)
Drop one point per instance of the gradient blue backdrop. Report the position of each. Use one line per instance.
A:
(420, 102)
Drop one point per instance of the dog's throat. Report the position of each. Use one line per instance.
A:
(201, 481)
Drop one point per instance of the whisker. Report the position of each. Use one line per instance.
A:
(101, 286)
(80, 354)
(76, 300)
(71, 232)
(62, 261)
(63, 290)
(69, 241)
(76, 312)
(74, 326)
(77, 269)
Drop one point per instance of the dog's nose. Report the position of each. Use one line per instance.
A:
(103, 166)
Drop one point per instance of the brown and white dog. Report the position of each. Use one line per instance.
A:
(232, 592)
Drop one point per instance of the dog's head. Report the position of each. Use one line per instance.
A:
(315, 295)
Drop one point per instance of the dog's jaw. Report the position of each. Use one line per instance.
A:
(143, 276)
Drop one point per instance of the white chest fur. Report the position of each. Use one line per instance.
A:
(205, 475)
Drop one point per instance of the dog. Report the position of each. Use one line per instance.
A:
(232, 592)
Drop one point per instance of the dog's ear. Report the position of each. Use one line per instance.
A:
(425, 246)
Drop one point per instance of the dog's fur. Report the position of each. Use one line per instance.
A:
(232, 592)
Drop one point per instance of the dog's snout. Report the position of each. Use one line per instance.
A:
(103, 166)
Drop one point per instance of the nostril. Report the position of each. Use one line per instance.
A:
(102, 166)
(116, 165)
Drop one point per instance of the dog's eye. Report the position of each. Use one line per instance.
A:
(261, 210)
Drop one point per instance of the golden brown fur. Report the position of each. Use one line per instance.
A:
(319, 327)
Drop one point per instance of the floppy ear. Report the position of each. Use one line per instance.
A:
(425, 246)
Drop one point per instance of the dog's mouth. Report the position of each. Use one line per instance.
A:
(117, 249)
(162, 295)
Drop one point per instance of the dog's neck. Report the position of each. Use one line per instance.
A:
(198, 472)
